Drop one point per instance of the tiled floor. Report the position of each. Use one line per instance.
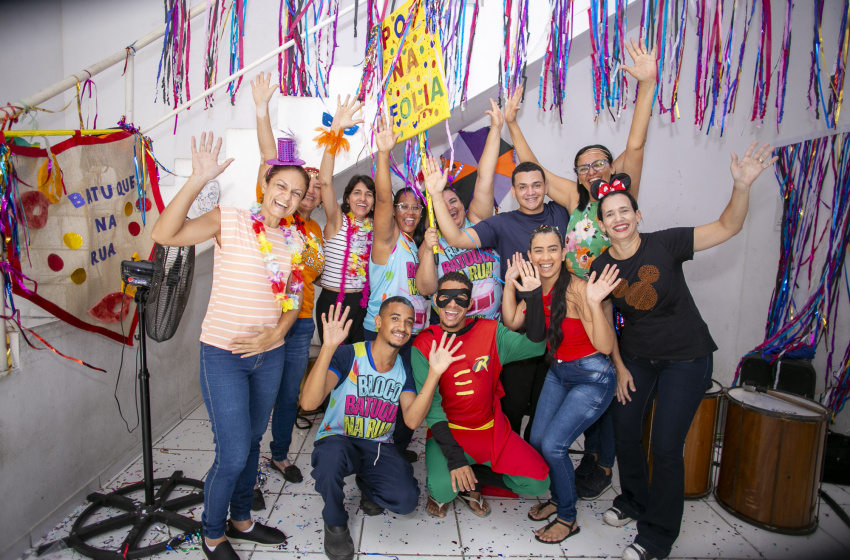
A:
(708, 531)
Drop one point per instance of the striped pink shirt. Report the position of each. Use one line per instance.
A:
(241, 295)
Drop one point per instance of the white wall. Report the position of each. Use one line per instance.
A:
(60, 434)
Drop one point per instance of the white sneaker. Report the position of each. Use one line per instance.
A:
(616, 518)
(636, 552)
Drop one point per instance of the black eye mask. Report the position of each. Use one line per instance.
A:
(462, 297)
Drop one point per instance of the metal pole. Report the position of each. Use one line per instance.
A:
(144, 397)
(129, 84)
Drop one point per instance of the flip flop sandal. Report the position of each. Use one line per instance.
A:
(469, 500)
(574, 530)
(541, 507)
(290, 473)
(443, 508)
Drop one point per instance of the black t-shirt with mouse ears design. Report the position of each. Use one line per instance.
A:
(662, 321)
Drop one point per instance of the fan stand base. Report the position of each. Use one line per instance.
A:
(137, 519)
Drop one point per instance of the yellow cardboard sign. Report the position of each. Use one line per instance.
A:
(416, 91)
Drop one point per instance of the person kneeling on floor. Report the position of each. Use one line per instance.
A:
(367, 384)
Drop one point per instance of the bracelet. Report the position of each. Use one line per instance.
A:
(334, 142)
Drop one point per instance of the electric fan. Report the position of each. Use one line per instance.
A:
(142, 528)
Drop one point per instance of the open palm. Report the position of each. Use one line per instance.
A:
(746, 171)
(645, 65)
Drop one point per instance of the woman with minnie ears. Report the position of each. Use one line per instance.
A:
(348, 230)
(254, 301)
(581, 379)
(299, 335)
(584, 238)
(666, 348)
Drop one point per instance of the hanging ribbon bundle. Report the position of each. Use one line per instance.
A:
(237, 40)
(296, 66)
(514, 60)
(325, 44)
(174, 60)
(553, 74)
(214, 25)
(662, 25)
(708, 46)
(457, 47)
(731, 85)
(782, 71)
(828, 101)
(608, 82)
(809, 240)
(761, 77)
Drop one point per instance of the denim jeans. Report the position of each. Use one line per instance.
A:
(680, 387)
(239, 394)
(574, 395)
(297, 354)
(599, 439)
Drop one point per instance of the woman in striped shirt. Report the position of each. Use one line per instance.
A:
(253, 303)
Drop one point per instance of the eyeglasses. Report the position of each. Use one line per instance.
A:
(598, 165)
(404, 207)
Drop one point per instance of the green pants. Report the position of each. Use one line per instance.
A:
(439, 478)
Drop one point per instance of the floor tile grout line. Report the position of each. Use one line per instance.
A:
(734, 529)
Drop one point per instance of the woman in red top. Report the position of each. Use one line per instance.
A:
(581, 380)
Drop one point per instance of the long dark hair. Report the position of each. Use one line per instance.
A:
(558, 305)
(583, 194)
(419, 232)
(370, 184)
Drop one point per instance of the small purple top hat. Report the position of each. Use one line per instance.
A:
(286, 153)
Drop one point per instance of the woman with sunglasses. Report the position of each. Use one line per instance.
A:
(584, 238)
(581, 379)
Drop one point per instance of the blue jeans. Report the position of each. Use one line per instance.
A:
(297, 354)
(680, 387)
(239, 394)
(574, 395)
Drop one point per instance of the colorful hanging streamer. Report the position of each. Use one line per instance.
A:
(305, 68)
(828, 100)
(607, 81)
(237, 40)
(173, 71)
(662, 25)
(553, 74)
(514, 59)
(761, 77)
(803, 310)
(214, 25)
(457, 46)
(782, 71)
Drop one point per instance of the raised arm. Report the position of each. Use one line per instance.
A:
(435, 182)
(321, 381)
(385, 230)
(513, 315)
(645, 71)
(263, 91)
(481, 205)
(598, 327)
(427, 273)
(744, 173)
(172, 228)
(442, 355)
(561, 190)
(343, 118)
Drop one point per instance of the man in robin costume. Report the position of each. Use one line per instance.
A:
(470, 440)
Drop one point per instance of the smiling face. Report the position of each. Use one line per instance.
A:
(312, 197)
(455, 206)
(282, 193)
(547, 254)
(407, 217)
(453, 299)
(619, 218)
(529, 189)
(588, 158)
(395, 324)
(361, 200)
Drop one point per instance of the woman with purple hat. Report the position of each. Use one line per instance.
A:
(301, 333)
(255, 300)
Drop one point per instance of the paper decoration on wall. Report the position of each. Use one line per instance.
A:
(467, 150)
(78, 237)
(207, 198)
(416, 90)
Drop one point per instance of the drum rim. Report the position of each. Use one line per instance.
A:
(711, 393)
(773, 414)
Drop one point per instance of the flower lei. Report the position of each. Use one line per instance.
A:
(356, 259)
(295, 245)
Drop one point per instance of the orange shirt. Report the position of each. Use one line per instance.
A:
(314, 262)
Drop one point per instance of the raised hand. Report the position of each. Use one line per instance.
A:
(512, 272)
(599, 288)
(746, 171)
(528, 276)
(435, 177)
(385, 138)
(444, 354)
(645, 62)
(512, 106)
(262, 89)
(497, 119)
(344, 116)
(205, 163)
(336, 328)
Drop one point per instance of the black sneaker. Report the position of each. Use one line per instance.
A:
(368, 506)
(636, 552)
(593, 485)
(583, 470)
(410, 456)
(223, 551)
(616, 518)
(338, 543)
(259, 534)
(258, 503)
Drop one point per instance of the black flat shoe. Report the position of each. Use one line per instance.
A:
(410, 456)
(574, 530)
(259, 534)
(338, 543)
(258, 503)
(290, 473)
(370, 508)
(223, 551)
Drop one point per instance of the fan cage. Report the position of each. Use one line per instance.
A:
(169, 291)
